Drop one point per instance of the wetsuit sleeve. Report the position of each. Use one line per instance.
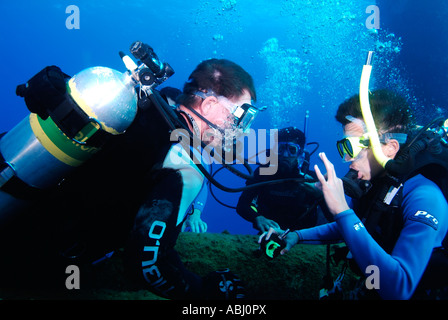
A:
(246, 206)
(425, 225)
(201, 199)
(150, 257)
(323, 234)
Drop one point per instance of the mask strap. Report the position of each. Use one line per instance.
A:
(400, 137)
(205, 95)
(357, 121)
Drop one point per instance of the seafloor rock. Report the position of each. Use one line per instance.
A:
(297, 275)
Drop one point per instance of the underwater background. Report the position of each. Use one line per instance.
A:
(302, 54)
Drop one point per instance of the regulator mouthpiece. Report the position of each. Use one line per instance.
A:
(353, 187)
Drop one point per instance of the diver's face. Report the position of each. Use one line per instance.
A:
(365, 163)
(224, 117)
(287, 164)
(221, 114)
(286, 159)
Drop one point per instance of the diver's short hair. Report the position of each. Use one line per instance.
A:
(391, 112)
(223, 77)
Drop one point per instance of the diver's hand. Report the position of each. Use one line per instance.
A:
(291, 239)
(311, 186)
(263, 224)
(195, 222)
(331, 187)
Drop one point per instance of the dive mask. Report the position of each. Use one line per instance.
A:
(352, 146)
(243, 115)
(292, 149)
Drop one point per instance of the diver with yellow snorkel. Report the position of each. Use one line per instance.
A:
(397, 220)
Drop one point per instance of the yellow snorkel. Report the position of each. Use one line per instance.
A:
(367, 113)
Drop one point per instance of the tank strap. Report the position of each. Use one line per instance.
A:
(46, 95)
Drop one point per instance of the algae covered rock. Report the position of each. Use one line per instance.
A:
(297, 275)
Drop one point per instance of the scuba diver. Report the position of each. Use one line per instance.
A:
(290, 205)
(210, 96)
(398, 187)
(136, 191)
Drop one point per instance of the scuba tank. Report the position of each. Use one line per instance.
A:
(70, 119)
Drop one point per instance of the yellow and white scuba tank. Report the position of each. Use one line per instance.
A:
(39, 151)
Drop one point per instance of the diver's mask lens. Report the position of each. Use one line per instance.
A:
(244, 116)
(292, 149)
(351, 146)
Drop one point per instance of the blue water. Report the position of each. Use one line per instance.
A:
(303, 55)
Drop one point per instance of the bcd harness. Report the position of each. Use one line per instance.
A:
(46, 95)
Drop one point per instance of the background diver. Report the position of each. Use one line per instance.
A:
(290, 205)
